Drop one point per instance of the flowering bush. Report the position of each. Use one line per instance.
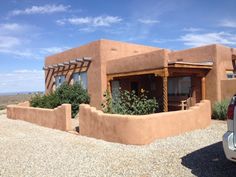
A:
(126, 102)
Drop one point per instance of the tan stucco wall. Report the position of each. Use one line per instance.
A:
(58, 118)
(202, 54)
(112, 57)
(101, 51)
(228, 88)
(111, 50)
(94, 73)
(147, 61)
(220, 55)
(139, 130)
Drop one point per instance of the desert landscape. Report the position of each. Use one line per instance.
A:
(14, 99)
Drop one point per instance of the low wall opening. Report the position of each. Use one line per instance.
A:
(140, 130)
(58, 118)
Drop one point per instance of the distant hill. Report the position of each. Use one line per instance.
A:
(21, 93)
(14, 98)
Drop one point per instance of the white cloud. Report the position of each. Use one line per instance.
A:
(26, 53)
(46, 9)
(163, 40)
(52, 50)
(91, 21)
(26, 71)
(14, 39)
(22, 80)
(228, 23)
(208, 38)
(87, 29)
(191, 29)
(148, 21)
(7, 42)
(60, 22)
(11, 35)
(22, 53)
(14, 29)
(10, 26)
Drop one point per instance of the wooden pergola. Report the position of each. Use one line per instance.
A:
(200, 69)
(66, 68)
(70, 63)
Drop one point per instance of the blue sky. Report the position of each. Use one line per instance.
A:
(33, 29)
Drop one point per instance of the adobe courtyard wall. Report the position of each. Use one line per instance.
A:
(140, 130)
(58, 118)
(228, 88)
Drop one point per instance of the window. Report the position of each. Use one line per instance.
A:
(179, 85)
(115, 85)
(230, 74)
(81, 78)
(59, 80)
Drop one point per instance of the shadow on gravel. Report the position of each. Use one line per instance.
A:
(210, 161)
(77, 129)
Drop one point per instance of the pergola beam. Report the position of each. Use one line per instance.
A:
(66, 63)
(61, 65)
(87, 59)
(69, 63)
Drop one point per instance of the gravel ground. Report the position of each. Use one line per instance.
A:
(31, 150)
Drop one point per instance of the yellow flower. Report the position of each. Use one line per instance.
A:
(142, 90)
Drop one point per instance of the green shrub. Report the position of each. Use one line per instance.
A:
(220, 110)
(73, 94)
(126, 102)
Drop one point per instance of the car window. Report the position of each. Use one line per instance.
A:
(233, 100)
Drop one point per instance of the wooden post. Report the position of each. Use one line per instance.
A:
(203, 83)
(165, 90)
(109, 86)
(109, 79)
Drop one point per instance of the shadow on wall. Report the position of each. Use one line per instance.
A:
(210, 161)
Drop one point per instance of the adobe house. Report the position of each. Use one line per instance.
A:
(172, 77)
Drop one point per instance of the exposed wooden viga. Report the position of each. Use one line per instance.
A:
(65, 68)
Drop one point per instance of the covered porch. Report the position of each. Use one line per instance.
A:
(176, 87)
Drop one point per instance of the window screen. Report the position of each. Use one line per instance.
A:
(59, 80)
(82, 78)
(179, 85)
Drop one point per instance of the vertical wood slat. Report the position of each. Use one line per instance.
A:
(203, 83)
(165, 90)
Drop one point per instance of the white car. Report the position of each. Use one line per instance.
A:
(229, 138)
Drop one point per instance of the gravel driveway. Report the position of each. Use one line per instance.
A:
(30, 150)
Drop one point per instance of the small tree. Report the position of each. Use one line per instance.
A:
(73, 94)
(220, 110)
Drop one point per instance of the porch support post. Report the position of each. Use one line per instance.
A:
(109, 79)
(165, 90)
(109, 86)
(203, 83)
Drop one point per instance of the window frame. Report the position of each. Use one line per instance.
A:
(58, 84)
(178, 85)
(85, 85)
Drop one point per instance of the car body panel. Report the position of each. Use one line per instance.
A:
(228, 145)
(229, 138)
